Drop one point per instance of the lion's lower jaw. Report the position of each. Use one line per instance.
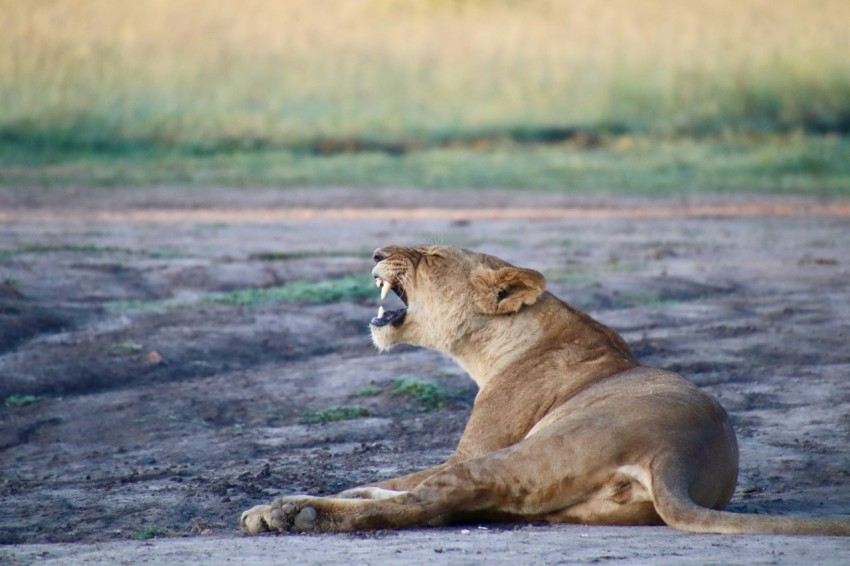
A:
(381, 339)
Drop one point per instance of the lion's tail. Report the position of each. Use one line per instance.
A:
(676, 508)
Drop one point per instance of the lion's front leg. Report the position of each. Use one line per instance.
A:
(331, 514)
(282, 514)
(368, 492)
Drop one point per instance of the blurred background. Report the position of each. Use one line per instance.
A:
(647, 96)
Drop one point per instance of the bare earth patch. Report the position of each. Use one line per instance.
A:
(144, 406)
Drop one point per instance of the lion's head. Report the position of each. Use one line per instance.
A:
(448, 294)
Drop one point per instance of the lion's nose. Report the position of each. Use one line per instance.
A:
(379, 255)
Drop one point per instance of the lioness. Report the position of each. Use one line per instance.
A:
(566, 426)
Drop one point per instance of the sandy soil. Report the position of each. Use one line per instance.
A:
(172, 420)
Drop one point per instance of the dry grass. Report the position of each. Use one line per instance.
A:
(282, 73)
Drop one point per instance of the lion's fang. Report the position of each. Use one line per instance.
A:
(381, 312)
(385, 289)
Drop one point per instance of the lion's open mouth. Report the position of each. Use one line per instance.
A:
(386, 317)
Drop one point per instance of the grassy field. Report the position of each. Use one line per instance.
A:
(650, 95)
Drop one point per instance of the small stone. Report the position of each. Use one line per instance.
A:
(154, 358)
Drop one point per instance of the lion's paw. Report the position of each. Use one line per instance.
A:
(256, 519)
(290, 514)
(294, 514)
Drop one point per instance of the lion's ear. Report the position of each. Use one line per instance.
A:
(506, 290)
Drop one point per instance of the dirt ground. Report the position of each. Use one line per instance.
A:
(139, 419)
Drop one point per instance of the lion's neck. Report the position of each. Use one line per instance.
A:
(551, 331)
(492, 353)
(493, 350)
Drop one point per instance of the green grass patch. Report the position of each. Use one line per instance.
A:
(368, 391)
(334, 414)
(349, 288)
(571, 276)
(85, 249)
(652, 299)
(137, 306)
(149, 533)
(164, 254)
(793, 164)
(80, 249)
(127, 347)
(287, 256)
(17, 401)
(313, 292)
(426, 395)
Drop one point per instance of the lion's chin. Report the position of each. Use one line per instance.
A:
(382, 337)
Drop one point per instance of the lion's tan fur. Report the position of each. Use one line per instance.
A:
(566, 426)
